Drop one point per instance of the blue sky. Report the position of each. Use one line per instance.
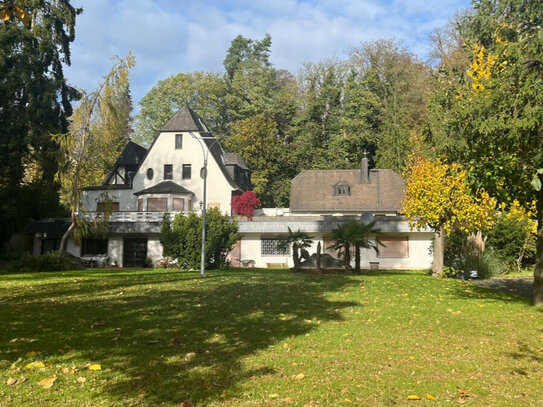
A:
(171, 36)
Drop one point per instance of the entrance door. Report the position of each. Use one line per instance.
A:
(134, 252)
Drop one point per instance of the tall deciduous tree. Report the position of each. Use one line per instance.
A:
(93, 139)
(400, 84)
(490, 116)
(256, 140)
(35, 101)
(438, 197)
(202, 91)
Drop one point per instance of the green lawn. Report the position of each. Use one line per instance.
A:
(264, 337)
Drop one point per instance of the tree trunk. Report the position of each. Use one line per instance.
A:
(295, 258)
(319, 248)
(538, 271)
(439, 249)
(66, 234)
(347, 258)
(357, 258)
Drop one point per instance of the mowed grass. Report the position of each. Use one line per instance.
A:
(265, 338)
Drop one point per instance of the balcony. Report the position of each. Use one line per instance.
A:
(126, 216)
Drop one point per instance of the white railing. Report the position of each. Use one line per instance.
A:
(128, 216)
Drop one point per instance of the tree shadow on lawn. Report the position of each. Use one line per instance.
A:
(172, 344)
(476, 292)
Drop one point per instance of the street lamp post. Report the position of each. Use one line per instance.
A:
(204, 200)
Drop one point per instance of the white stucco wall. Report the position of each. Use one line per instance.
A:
(125, 197)
(154, 248)
(73, 248)
(163, 152)
(419, 257)
(251, 250)
(115, 250)
(419, 253)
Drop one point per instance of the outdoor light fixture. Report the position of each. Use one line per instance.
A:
(203, 174)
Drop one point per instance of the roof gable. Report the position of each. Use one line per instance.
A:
(185, 119)
(132, 154)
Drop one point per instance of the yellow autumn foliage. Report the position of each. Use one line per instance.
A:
(481, 67)
(438, 196)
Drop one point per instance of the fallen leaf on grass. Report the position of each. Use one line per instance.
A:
(14, 382)
(47, 383)
(81, 379)
(35, 365)
(95, 367)
(273, 396)
(430, 397)
(299, 376)
(189, 356)
(413, 397)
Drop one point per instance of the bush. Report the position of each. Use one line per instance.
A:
(512, 241)
(486, 264)
(182, 239)
(48, 262)
(148, 263)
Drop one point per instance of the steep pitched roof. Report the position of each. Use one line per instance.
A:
(185, 119)
(165, 187)
(315, 191)
(235, 159)
(132, 154)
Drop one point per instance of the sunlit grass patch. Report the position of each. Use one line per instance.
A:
(264, 337)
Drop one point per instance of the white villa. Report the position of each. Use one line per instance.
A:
(146, 183)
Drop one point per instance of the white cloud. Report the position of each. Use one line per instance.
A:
(170, 36)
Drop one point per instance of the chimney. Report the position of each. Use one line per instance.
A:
(364, 169)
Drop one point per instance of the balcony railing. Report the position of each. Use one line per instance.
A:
(129, 216)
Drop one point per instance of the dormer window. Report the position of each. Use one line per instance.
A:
(342, 189)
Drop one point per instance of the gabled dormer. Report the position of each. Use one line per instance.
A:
(126, 166)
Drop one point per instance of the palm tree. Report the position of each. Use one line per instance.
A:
(300, 241)
(342, 243)
(354, 235)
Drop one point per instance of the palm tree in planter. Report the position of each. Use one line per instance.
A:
(300, 242)
(356, 236)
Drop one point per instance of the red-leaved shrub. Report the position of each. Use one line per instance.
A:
(245, 204)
